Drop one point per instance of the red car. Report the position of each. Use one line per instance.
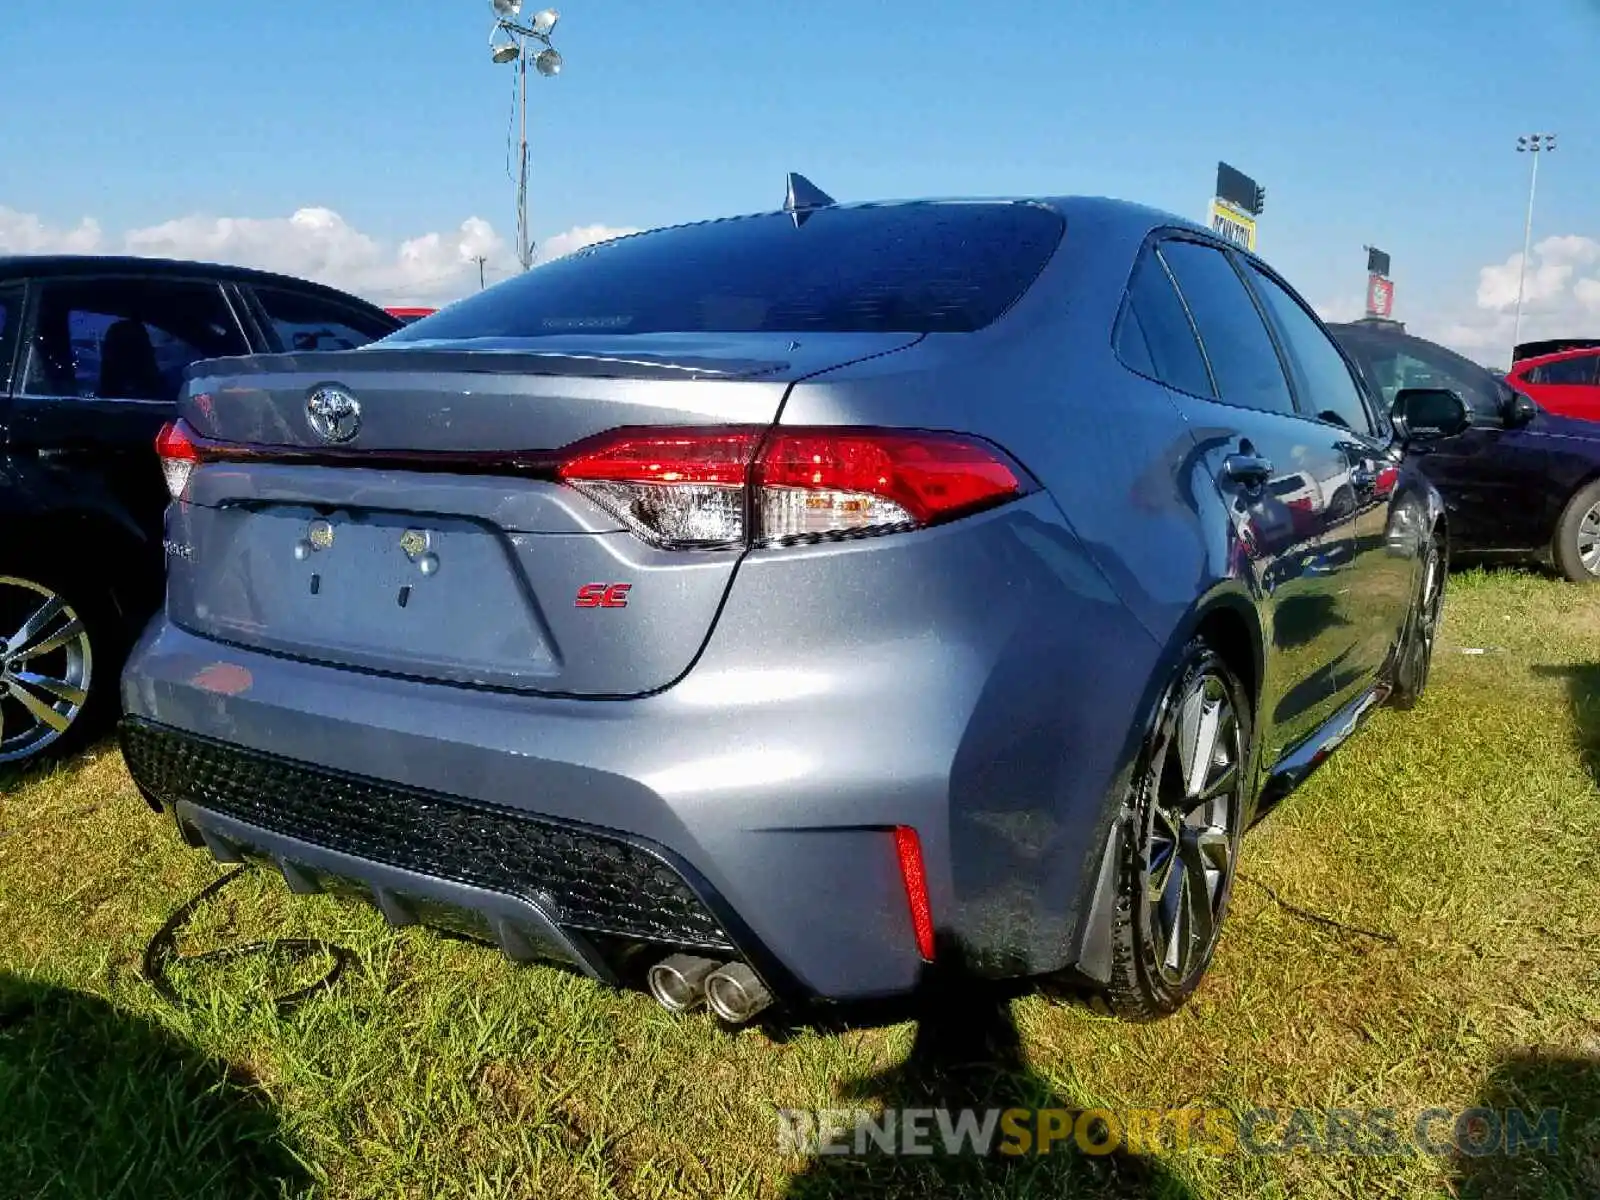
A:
(1567, 384)
(409, 315)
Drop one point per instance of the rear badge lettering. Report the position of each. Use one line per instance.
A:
(603, 595)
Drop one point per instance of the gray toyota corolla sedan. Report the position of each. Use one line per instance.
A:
(784, 608)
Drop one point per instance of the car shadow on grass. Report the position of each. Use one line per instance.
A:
(101, 1103)
(1547, 1144)
(968, 1055)
(1583, 691)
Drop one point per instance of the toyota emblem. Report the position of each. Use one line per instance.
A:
(333, 414)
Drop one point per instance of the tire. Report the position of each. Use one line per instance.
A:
(1577, 541)
(59, 661)
(1176, 874)
(1414, 661)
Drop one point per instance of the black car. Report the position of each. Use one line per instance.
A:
(1519, 481)
(93, 352)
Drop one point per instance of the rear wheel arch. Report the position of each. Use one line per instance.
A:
(1234, 631)
(1228, 618)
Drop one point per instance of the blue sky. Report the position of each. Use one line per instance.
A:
(1391, 124)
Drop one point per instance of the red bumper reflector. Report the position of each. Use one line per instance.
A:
(908, 848)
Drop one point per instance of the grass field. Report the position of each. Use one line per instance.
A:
(1466, 832)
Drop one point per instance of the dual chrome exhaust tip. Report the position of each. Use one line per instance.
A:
(731, 990)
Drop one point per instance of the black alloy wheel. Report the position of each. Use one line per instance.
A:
(1415, 660)
(1182, 831)
(50, 676)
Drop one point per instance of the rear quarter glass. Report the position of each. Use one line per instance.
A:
(911, 268)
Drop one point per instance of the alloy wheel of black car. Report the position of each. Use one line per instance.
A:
(1184, 830)
(1416, 648)
(1577, 542)
(47, 668)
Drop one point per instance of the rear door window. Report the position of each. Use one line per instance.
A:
(306, 321)
(126, 339)
(1244, 361)
(913, 268)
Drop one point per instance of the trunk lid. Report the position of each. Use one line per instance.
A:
(418, 548)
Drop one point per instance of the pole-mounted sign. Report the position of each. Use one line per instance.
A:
(1236, 204)
(1380, 288)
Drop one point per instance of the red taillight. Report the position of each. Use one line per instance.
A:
(688, 456)
(927, 475)
(689, 487)
(178, 454)
(908, 849)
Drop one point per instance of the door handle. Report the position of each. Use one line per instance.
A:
(1247, 470)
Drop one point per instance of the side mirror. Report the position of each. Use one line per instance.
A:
(1520, 410)
(1427, 414)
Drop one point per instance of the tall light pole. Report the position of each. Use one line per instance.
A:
(1533, 144)
(508, 43)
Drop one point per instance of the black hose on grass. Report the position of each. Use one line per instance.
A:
(162, 952)
(1303, 914)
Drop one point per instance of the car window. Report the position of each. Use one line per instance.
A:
(1578, 372)
(1322, 376)
(912, 268)
(1244, 362)
(1154, 335)
(10, 320)
(1392, 363)
(126, 339)
(304, 321)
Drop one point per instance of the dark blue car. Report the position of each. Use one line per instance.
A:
(788, 607)
(1519, 482)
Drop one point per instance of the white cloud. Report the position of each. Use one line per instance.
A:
(24, 233)
(1561, 298)
(577, 238)
(312, 243)
(1550, 269)
(1340, 309)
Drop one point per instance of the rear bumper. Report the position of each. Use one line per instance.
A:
(541, 890)
(987, 700)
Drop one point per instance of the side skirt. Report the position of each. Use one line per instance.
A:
(1295, 767)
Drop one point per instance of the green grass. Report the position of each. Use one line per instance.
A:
(1469, 830)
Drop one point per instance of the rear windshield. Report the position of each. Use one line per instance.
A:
(918, 268)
